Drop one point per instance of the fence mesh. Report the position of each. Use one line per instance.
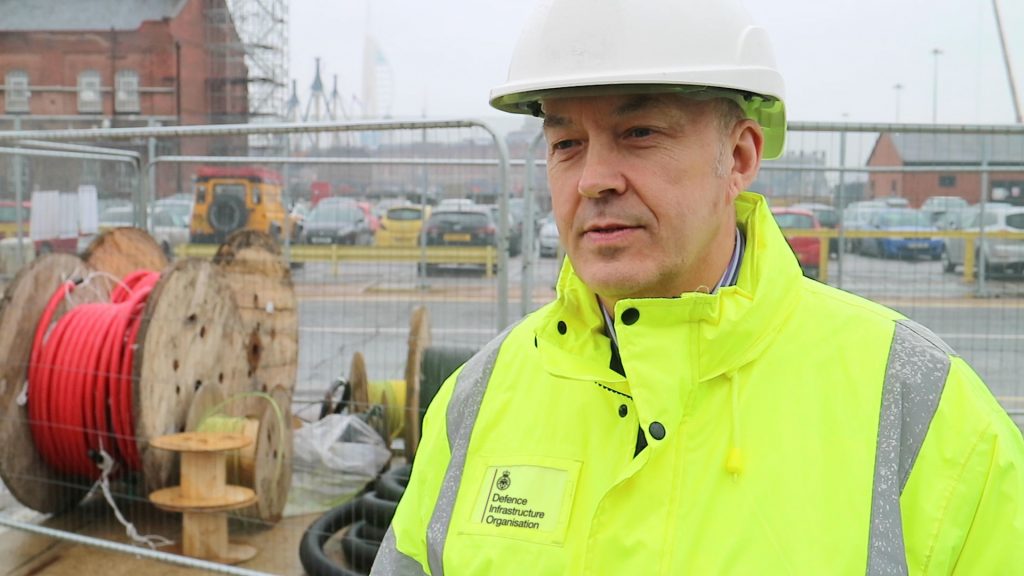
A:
(404, 255)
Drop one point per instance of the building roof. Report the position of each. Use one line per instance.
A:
(959, 148)
(60, 15)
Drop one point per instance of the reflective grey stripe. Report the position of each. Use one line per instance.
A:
(461, 417)
(914, 379)
(391, 562)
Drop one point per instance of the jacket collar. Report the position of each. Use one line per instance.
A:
(719, 332)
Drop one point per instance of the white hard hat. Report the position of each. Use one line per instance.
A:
(707, 47)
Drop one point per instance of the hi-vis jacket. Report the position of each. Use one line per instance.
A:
(791, 428)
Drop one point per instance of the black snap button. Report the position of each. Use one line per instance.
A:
(561, 327)
(630, 316)
(657, 430)
(623, 410)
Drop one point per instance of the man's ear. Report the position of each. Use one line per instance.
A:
(747, 144)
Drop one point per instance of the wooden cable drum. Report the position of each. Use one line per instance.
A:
(190, 332)
(264, 465)
(419, 338)
(367, 394)
(272, 470)
(359, 383)
(121, 251)
(261, 284)
(26, 475)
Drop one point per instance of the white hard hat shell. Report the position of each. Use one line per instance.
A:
(659, 44)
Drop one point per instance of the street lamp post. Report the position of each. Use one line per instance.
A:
(899, 89)
(935, 86)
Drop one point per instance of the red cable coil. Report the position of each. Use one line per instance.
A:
(80, 386)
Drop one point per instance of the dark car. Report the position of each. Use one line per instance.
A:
(515, 229)
(336, 224)
(898, 220)
(467, 226)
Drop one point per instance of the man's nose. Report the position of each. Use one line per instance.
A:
(602, 174)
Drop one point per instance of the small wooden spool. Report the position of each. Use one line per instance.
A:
(419, 338)
(203, 492)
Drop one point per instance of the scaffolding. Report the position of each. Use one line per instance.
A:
(262, 29)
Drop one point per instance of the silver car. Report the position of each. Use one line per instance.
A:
(547, 238)
(1002, 255)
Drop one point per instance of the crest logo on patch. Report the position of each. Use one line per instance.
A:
(505, 481)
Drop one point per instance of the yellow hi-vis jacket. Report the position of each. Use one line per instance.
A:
(791, 428)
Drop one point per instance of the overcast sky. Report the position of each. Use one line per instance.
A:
(840, 58)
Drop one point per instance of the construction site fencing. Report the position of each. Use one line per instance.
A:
(380, 314)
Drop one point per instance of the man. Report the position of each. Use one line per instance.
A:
(690, 403)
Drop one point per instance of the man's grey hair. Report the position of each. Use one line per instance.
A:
(728, 113)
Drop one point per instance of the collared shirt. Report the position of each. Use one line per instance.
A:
(729, 278)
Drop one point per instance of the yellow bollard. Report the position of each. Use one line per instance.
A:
(823, 259)
(969, 259)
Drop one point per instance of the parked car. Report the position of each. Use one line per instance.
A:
(902, 220)
(456, 203)
(371, 219)
(806, 248)
(1002, 255)
(180, 204)
(895, 202)
(465, 226)
(168, 226)
(944, 211)
(856, 218)
(515, 229)
(231, 198)
(401, 225)
(9, 218)
(336, 223)
(548, 239)
(828, 217)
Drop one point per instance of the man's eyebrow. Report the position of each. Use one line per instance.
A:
(555, 121)
(638, 103)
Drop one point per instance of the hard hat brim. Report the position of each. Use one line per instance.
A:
(767, 110)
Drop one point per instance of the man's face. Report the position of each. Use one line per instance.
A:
(642, 192)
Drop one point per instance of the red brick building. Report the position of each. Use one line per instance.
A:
(952, 150)
(116, 63)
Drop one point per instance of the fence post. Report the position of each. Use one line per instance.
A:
(529, 190)
(981, 216)
(840, 194)
(19, 197)
(140, 211)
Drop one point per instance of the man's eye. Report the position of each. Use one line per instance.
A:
(640, 132)
(563, 145)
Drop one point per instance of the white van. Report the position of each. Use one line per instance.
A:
(64, 221)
